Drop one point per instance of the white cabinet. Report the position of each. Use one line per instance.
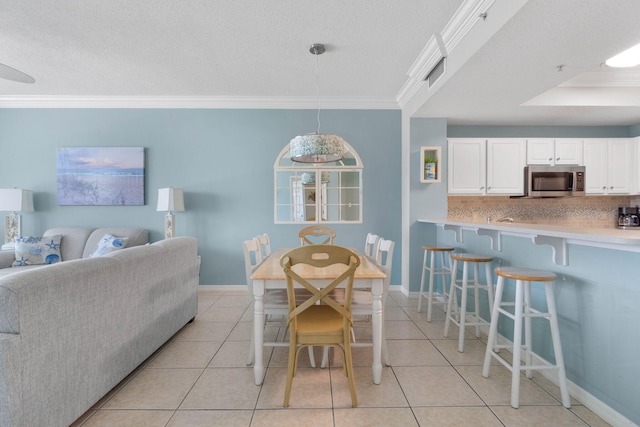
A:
(466, 170)
(506, 159)
(486, 166)
(550, 151)
(609, 166)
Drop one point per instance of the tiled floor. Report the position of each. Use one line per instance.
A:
(199, 378)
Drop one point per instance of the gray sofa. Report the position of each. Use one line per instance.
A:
(71, 331)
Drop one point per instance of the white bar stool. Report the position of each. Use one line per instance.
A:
(460, 318)
(523, 309)
(443, 270)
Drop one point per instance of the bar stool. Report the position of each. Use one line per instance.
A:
(443, 270)
(460, 318)
(523, 309)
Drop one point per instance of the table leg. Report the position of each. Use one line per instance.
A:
(258, 330)
(376, 320)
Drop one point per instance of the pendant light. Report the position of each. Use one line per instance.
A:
(317, 147)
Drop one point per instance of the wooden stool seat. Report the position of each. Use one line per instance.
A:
(520, 309)
(443, 270)
(459, 316)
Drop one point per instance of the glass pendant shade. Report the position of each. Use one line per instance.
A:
(317, 148)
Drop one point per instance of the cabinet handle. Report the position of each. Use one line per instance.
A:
(557, 158)
(482, 188)
(604, 188)
(611, 188)
(550, 158)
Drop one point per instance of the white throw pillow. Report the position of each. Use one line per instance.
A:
(37, 250)
(108, 244)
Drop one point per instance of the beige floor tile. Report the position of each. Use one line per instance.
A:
(293, 418)
(203, 330)
(526, 416)
(244, 330)
(360, 356)
(403, 330)
(235, 354)
(473, 354)
(589, 417)
(242, 301)
(280, 357)
(222, 314)
(402, 300)
(437, 313)
(194, 418)
(456, 416)
(374, 417)
(435, 330)
(155, 389)
(186, 354)
(223, 388)
(395, 313)
(311, 389)
(496, 390)
(435, 386)
(138, 418)
(386, 394)
(549, 387)
(414, 353)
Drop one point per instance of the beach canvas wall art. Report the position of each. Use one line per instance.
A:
(100, 176)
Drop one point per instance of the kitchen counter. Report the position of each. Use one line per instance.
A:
(556, 236)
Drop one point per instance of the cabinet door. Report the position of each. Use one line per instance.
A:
(466, 165)
(620, 164)
(506, 159)
(568, 151)
(540, 151)
(595, 161)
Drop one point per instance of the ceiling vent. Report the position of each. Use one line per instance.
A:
(436, 72)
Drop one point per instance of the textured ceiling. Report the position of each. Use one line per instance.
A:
(252, 50)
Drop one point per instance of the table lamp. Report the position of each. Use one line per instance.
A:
(14, 200)
(170, 199)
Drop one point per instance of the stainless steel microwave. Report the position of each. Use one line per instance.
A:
(554, 181)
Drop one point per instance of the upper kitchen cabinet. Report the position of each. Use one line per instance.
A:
(609, 166)
(467, 164)
(486, 166)
(550, 151)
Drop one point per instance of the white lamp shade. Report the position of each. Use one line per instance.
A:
(170, 199)
(16, 200)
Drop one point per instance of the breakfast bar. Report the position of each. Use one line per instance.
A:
(597, 295)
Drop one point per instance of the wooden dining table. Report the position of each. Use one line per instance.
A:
(270, 275)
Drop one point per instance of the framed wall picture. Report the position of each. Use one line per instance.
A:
(100, 176)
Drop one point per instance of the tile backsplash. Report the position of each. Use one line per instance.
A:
(587, 211)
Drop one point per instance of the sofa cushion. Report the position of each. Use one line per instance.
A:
(136, 236)
(74, 240)
(109, 243)
(37, 250)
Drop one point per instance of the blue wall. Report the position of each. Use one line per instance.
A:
(223, 159)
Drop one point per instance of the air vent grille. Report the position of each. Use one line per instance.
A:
(436, 72)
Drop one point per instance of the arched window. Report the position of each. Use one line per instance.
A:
(300, 197)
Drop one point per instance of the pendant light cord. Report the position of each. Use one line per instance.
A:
(317, 93)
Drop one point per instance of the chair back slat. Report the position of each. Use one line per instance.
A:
(252, 259)
(264, 244)
(371, 245)
(314, 234)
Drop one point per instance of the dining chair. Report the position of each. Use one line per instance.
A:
(319, 320)
(361, 301)
(371, 245)
(314, 234)
(264, 244)
(276, 307)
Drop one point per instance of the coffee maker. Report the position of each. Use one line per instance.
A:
(629, 217)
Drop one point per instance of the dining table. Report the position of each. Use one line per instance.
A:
(270, 275)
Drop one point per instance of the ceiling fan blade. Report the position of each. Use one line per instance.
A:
(9, 73)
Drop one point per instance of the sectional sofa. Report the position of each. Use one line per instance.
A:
(71, 331)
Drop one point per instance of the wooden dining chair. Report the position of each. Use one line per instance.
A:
(362, 301)
(371, 245)
(276, 308)
(314, 233)
(320, 320)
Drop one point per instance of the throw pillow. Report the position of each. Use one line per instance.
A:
(37, 250)
(108, 244)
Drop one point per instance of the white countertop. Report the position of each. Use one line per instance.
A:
(558, 236)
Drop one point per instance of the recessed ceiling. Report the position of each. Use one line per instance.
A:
(246, 53)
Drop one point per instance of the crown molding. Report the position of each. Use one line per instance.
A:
(201, 102)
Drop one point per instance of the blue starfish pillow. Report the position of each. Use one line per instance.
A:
(37, 250)
(108, 244)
